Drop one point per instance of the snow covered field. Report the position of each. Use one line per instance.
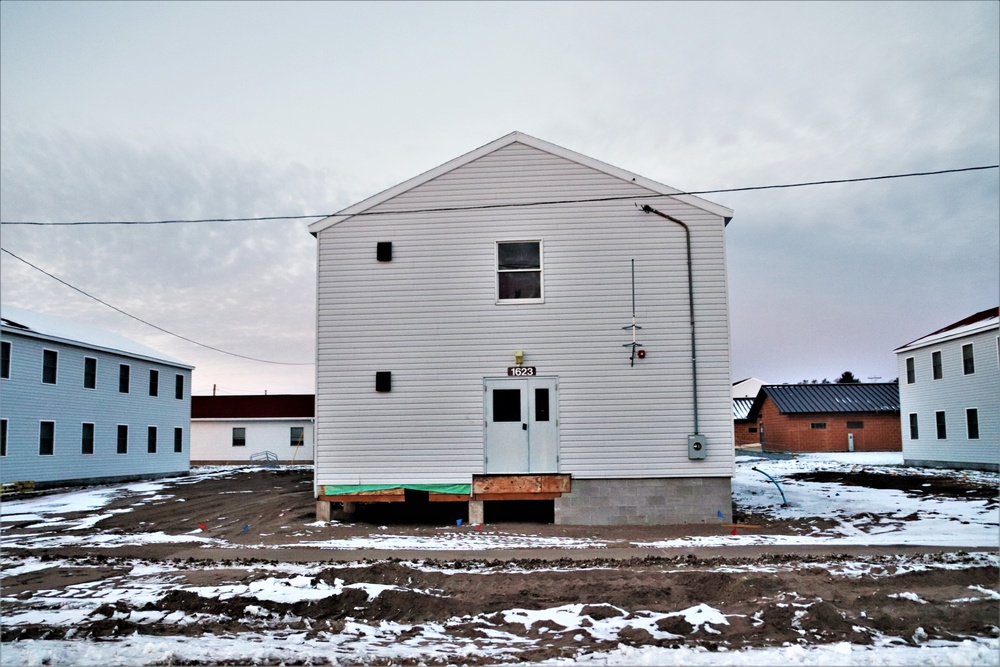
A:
(268, 602)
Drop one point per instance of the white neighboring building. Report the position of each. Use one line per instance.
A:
(949, 393)
(81, 405)
(238, 429)
(475, 342)
(748, 388)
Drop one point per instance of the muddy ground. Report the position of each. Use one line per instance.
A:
(770, 598)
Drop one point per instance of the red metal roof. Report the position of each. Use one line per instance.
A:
(971, 319)
(268, 406)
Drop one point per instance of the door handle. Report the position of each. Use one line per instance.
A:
(524, 427)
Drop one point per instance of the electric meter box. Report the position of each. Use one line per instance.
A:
(697, 446)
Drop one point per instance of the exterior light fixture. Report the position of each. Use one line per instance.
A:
(518, 357)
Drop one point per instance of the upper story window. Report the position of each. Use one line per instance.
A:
(89, 373)
(936, 365)
(519, 272)
(5, 359)
(911, 371)
(179, 387)
(50, 364)
(123, 376)
(968, 360)
(154, 382)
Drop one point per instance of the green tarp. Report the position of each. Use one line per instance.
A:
(340, 489)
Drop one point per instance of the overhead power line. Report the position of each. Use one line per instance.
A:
(443, 209)
(150, 324)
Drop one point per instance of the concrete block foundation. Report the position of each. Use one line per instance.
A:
(647, 501)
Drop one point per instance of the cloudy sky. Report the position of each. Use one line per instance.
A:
(156, 111)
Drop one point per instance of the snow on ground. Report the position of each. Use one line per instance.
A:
(942, 522)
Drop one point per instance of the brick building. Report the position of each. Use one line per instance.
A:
(828, 417)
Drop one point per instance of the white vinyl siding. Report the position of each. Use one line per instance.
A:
(211, 439)
(436, 326)
(953, 395)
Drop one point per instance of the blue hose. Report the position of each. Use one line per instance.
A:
(784, 501)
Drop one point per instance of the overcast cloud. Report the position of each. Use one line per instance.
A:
(149, 111)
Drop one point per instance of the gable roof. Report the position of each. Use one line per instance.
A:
(820, 398)
(268, 406)
(59, 329)
(517, 137)
(984, 320)
(741, 408)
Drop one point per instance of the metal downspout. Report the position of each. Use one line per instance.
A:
(694, 354)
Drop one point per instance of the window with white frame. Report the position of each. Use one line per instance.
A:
(46, 438)
(239, 436)
(122, 439)
(941, 422)
(89, 373)
(50, 365)
(297, 436)
(519, 271)
(911, 371)
(936, 366)
(87, 438)
(123, 378)
(972, 423)
(3, 437)
(914, 431)
(5, 359)
(968, 360)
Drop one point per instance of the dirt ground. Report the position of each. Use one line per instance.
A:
(776, 595)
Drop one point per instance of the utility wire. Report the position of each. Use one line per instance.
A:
(139, 319)
(480, 207)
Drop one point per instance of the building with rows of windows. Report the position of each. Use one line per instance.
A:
(949, 403)
(80, 405)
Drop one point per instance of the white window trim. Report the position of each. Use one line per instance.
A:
(156, 442)
(10, 367)
(962, 352)
(97, 366)
(38, 451)
(540, 269)
(129, 367)
(56, 352)
(941, 354)
(117, 427)
(978, 424)
(93, 442)
(907, 362)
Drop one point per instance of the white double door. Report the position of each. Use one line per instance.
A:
(522, 425)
